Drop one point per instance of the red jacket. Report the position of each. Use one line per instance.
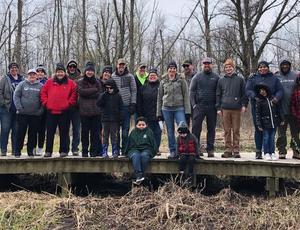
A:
(187, 145)
(58, 97)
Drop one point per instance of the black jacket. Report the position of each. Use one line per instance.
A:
(110, 104)
(147, 100)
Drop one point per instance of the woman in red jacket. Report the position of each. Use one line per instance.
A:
(57, 96)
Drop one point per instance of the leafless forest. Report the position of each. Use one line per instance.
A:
(49, 31)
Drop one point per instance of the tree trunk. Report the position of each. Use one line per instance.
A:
(18, 46)
(131, 37)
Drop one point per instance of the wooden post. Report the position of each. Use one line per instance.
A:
(64, 180)
(272, 186)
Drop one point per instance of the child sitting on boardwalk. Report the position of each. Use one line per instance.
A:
(268, 117)
(141, 147)
(187, 149)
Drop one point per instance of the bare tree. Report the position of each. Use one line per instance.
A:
(18, 47)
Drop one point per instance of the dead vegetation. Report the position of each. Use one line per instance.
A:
(170, 207)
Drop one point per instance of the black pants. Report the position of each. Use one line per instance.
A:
(63, 122)
(186, 160)
(111, 129)
(31, 123)
(42, 130)
(199, 113)
(90, 135)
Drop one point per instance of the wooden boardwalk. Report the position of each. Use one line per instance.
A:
(245, 166)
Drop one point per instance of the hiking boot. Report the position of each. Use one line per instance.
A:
(63, 154)
(236, 155)
(282, 155)
(173, 155)
(296, 154)
(210, 153)
(258, 155)
(227, 155)
(48, 155)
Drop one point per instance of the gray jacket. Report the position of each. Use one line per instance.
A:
(231, 92)
(288, 81)
(127, 87)
(173, 94)
(27, 98)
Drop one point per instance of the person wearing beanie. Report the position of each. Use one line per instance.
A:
(287, 77)
(173, 103)
(266, 77)
(187, 150)
(203, 100)
(8, 110)
(147, 103)
(29, 111)
(58, 95)
(74, 74)
(127, 87)
(231, 102)
(110, 102)
(89, 89)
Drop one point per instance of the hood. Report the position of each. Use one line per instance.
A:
(110, 82)
(285, 61)
(72, 61)
(183, 128)
(262, 86)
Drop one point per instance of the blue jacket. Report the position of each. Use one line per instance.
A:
(269, 80)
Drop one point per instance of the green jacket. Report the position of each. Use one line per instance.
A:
(141, 140)
(173, 93)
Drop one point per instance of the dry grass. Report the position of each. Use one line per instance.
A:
(170, 207)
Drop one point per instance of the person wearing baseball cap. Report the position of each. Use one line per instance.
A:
(127, 87)
(188, 71)
(29, 111)
(203, 99)
(8, 84)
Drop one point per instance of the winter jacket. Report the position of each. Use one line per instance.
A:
(140, 140)
(147, 100)
(173, 93)
(110, 104)
(188, 78)
(6, 91)
(269, 80)
(268, 115)
(187, 145)
(59, 95)
(295, 103)
(27, 98)
(88, 92)
(231, 92)
(126, 85)
(203, 89)
(288, 81)
(140, 80)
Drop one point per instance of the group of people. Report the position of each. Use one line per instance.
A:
(98, 107)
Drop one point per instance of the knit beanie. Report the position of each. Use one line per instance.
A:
(89, 66)
(13, 64)
(172, 64)
(229, 61)
(60, 66)
(263, 63)
(107, 68)
(41, 67)
(152, 70)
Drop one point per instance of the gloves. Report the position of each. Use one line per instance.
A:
(187, 118)
(132, 108)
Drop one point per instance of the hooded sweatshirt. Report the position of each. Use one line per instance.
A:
(27, 98)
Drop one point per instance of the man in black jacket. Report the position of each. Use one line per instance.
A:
(203, 99)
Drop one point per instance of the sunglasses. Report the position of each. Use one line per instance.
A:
(72, 66)
(185, 66)
(108, 87)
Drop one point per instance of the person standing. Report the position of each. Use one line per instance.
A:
(266, 77)
(89, 89)
(188, 71)
(173, 103)
(147, 103)
(57, 96)
(203, 100)
(29, 110)
(74, 74)
(231, 103)
(8, 110)
(127, 87)
(141, 76)
(287, 78)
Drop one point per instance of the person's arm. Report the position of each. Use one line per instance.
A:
(133, 90)
(219, 96)
(2, 88)
(44, 94)
(73, 95)
(193, 90)
(92, 92)
(17, 97)
(186, 97)
(278, 91)
(244, 98)
(249, 90)
(159, 100)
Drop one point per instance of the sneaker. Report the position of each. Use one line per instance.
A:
(115, 155)
(38, 152)
(140, 179)
(17, 155)
(267, 157)
(258, 155)
(172, 155)
(3, 154)
(48, 155)
(236, 155)
(105, 155)
(63, 154)
(210, 153)
(273, 157)
(31, 156)
(75, 153)
(282, 154)
(296, 154)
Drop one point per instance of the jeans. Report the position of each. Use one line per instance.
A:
(258, 135)
(187, 160)
(90, 135)
(269, 140)
(281, 142)
(154, 126)
(31, 123)
(199, 114)
(75, 121)
(140, 161)
(8, 123)
(125, 124)
(169, 116)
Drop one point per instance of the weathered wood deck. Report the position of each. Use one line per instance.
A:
(245, 166)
